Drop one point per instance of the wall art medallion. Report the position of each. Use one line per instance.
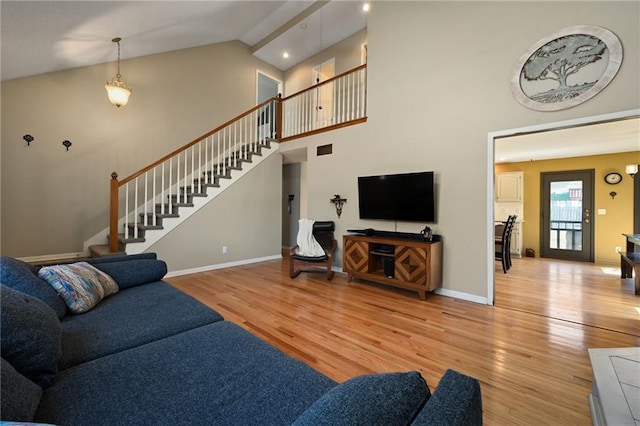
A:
(567, 68)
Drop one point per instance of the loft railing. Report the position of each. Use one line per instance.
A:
(337, 102)
(140, 201)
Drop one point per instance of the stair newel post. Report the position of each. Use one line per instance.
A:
(113, 214)
(279, 132)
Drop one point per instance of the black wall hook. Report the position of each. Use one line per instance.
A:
(28, 138)
(66, 144)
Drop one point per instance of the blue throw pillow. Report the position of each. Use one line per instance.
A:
(23, 277)
(30, 333)
(377, 399)
(127, 257)
(132, 273)
(20, 396)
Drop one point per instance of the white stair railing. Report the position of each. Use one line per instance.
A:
(140, 201)
(331, 103)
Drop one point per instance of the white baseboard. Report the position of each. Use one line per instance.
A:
(221, 266)
(445, 292)
(460, 295)
(53, 257)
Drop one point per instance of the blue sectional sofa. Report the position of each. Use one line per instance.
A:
(152, 355)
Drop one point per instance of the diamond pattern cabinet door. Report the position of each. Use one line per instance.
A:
(356, 256)
(411, 264)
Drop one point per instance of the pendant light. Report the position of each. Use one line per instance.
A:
(117, 88)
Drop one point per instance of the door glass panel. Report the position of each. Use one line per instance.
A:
(566, 213)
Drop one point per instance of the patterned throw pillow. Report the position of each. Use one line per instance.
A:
(80, 285)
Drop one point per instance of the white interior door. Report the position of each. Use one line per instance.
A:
(323, 95)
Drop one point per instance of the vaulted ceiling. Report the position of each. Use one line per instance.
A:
(45, 36)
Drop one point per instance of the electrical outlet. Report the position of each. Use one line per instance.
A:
(618, 249)
(224, 249)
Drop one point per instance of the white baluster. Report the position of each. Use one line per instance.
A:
(126, 210)
(135, 210)
(162, 190)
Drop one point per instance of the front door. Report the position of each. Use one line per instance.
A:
(567, 215)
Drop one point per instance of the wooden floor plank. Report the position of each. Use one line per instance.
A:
(529, 351)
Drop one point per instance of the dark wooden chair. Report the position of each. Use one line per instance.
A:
(503, 243)
(323, 233)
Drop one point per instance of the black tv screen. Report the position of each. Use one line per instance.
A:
(405, 197)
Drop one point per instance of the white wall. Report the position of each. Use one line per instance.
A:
(438, 83)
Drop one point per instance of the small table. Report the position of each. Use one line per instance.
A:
(616, 386)
(630, 260)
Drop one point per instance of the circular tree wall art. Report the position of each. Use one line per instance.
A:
(567, 68)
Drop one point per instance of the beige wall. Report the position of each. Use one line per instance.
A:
(245, 218)
(607, 228)
(438, 83)
(54, 200)
(347, 55)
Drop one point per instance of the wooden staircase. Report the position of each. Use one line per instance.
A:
(176, 203)
(153, 200)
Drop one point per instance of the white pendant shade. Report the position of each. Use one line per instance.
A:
(118, 92)
(117, 88)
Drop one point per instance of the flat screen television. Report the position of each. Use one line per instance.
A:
(407, 197)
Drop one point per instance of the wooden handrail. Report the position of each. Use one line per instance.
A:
(351, 71)
(324, 129)
(116, 184)
(195, 141)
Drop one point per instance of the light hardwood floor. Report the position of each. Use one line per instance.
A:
(529, 351)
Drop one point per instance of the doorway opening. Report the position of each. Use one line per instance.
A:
(492, 137)
(267, 87)
(294, 194)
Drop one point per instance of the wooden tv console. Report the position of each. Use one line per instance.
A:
(409, 264)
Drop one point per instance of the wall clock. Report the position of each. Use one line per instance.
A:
(567, 68)
(613, 178)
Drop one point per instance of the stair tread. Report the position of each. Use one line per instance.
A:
(163, 215)
(123, 239)
(186, 193)
(103, 250)
(144, 227)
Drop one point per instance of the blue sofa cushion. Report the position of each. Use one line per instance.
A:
(20, 396)
(134, 272)
(217, 374)
(111, 259)
(81, 285)
(23, 277)
(456, 401)
(30, 333)
(131, 318)
(374, 399)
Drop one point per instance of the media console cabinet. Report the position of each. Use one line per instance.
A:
(404, 263)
